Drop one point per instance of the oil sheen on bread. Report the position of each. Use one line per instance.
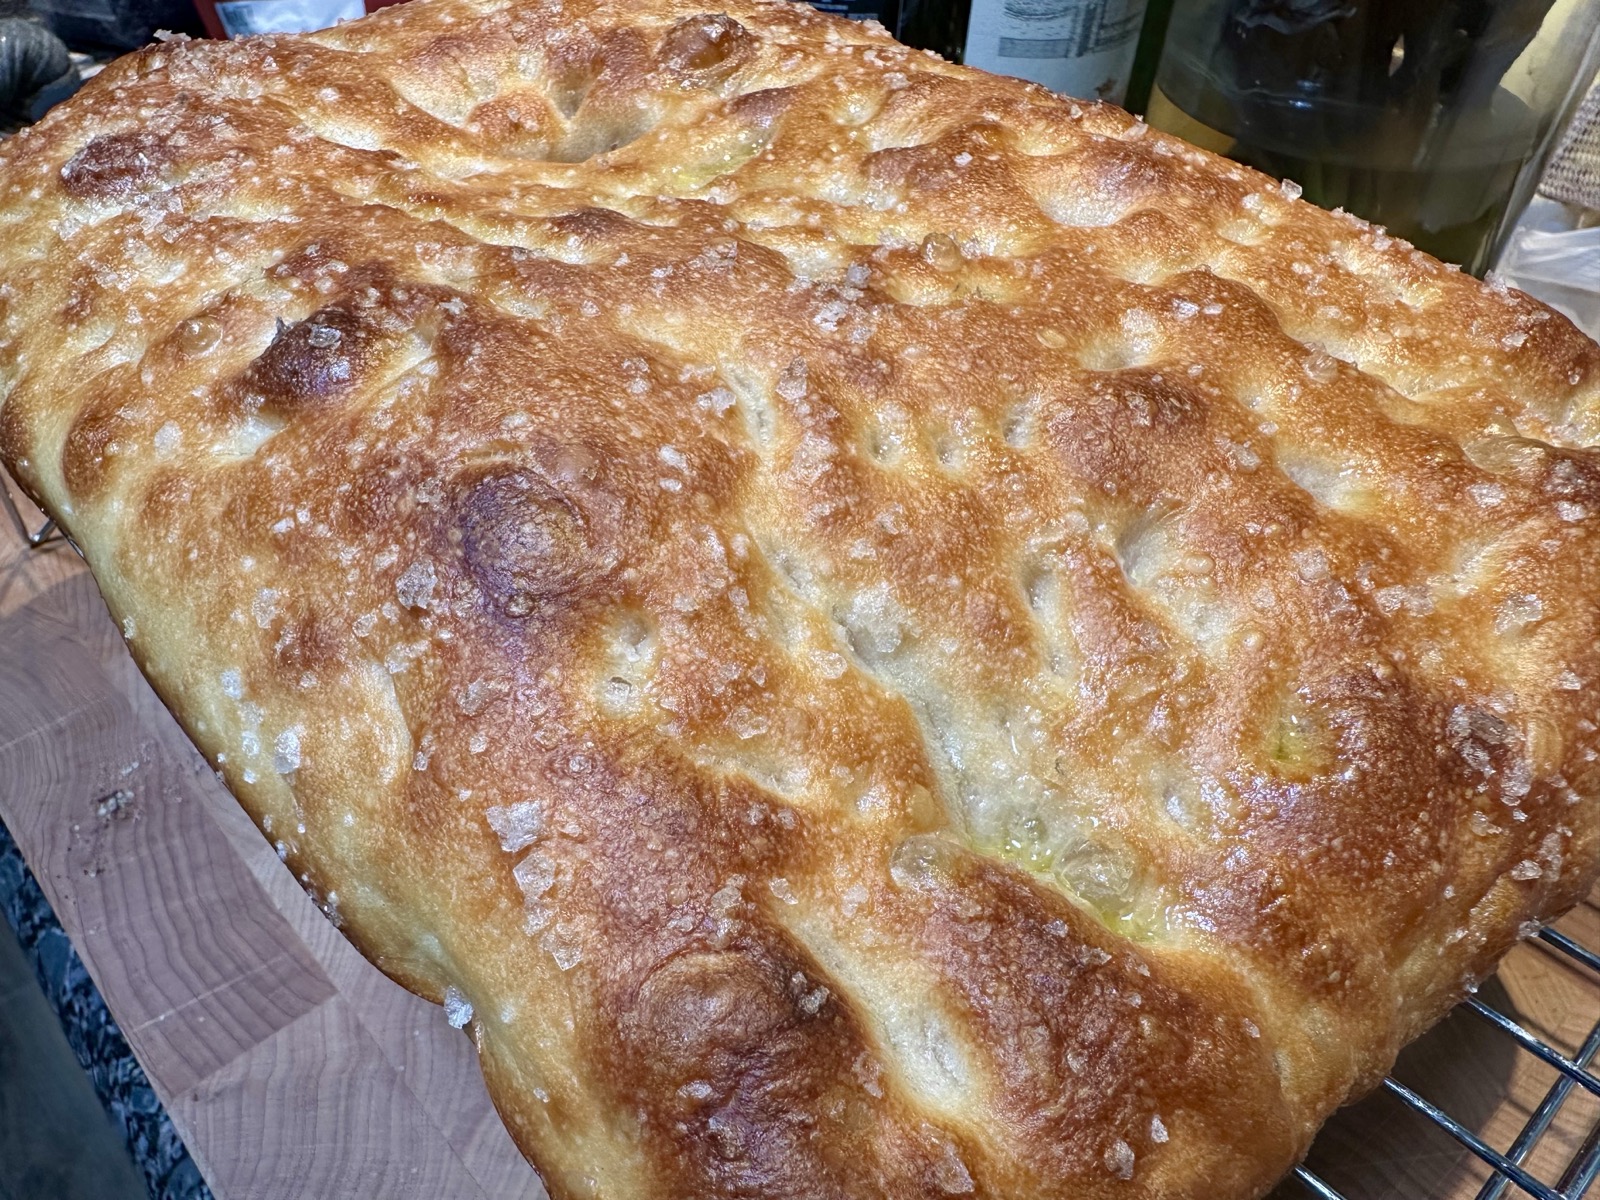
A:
(878, 632)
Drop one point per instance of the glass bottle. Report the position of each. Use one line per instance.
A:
(1429, 118)
(1081, 48)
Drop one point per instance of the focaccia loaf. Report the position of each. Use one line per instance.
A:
(871, 630)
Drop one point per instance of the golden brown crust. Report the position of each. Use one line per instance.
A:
(892, 634)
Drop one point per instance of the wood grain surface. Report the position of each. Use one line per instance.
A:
(290, 1065)
(293, 1068)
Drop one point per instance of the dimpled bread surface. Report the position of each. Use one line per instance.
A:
(872, 631)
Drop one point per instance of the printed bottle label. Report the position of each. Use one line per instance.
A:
(242, 17)
(1081, 48)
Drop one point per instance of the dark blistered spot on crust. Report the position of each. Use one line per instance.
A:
(529, 539)
(1128, 173)
(1097, 1036)
(706, 47)
(592, 224)
(315, 363)
(308, 642)
(1129, 428)
(703, 1014)
(115, 166)
(95, 438)
(925, 168)
(16, 429)
(728, 1049)
(310, 363)
(169, 492)
(764, 106)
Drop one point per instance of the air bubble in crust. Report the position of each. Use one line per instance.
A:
(922, 861)
(197, 336)
(527, 542)
(706, 47)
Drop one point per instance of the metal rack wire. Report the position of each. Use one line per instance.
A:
(48, 532)
(1509, 1176)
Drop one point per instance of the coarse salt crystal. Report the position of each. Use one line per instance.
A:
(457, 1008)
(1119, 1159)
(286, 751)
(414, 588)
(780, 888)
(516, 825)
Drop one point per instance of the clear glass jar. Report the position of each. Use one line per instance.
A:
(1431, 117)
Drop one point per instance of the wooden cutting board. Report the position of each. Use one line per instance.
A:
(290, 1066)
(293, 1068)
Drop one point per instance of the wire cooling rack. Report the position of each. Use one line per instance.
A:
(48, 532)
(1509, 1174)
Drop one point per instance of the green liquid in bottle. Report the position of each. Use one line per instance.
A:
(1396, 114)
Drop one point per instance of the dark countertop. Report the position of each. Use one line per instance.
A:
(157, 1151)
